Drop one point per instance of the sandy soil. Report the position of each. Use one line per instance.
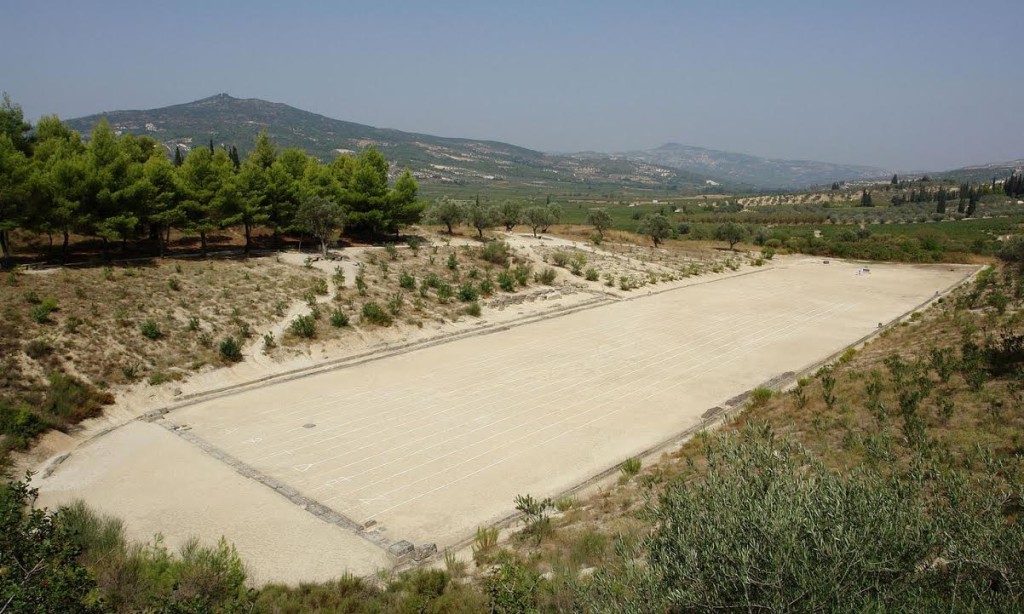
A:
(569, 292)
(158, 483)
(429, 444)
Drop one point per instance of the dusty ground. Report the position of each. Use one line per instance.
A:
(428, 444)
(160, 485)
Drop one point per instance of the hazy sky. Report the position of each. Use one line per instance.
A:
(903, 85)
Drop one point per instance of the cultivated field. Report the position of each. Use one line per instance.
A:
(427, 445)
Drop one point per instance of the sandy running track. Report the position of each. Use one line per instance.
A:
(428, 445)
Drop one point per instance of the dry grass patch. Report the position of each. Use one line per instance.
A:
(118, 325)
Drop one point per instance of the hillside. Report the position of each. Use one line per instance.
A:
(982, 173)
(761, 173)
(433, 160)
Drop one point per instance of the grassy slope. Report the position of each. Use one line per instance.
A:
(966, 424)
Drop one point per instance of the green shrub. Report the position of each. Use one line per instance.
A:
(32, 297)
(892, 531)
(592, 274)
(159, 377)
(468, 293)
(444, 292)
(319, 286)
(150, 330)
(761, 395)
(565, 504)
(303, 326)
(407, 281)
(546, 277)
(473, 309)
(174, 284)
(484, 542)
(41, 312)
(577, 262)
(496, 252)
(339, 277)
(338, 318)
(432, 281)
(512, 587)
(998, 300)
(506, 281)
(453, 262)
(535, 519)
(588, 548)
(392, 251)
(522, 274)
(375, 314)
(72, 400)
(230, 349)
(486, 287)
(560, 258)
(630, 467)
(395, 304)
(20, 423)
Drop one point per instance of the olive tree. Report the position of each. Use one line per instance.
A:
(510, 214)
(540, 218)
(657, 227)
(481, 217)
(446, 212)
(321, 218)
(600, 219)
(730, 232)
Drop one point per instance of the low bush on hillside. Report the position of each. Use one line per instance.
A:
(375, 314)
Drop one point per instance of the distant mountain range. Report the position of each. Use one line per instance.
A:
(673, 167)
(763, 173)
(233, 121)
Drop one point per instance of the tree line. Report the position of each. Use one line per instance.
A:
(1013, 186)
(120, 188)
(449, 213)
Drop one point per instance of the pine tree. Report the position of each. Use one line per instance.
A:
(895, 180)
(178, 159)
(211, 147)
(233, 154)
